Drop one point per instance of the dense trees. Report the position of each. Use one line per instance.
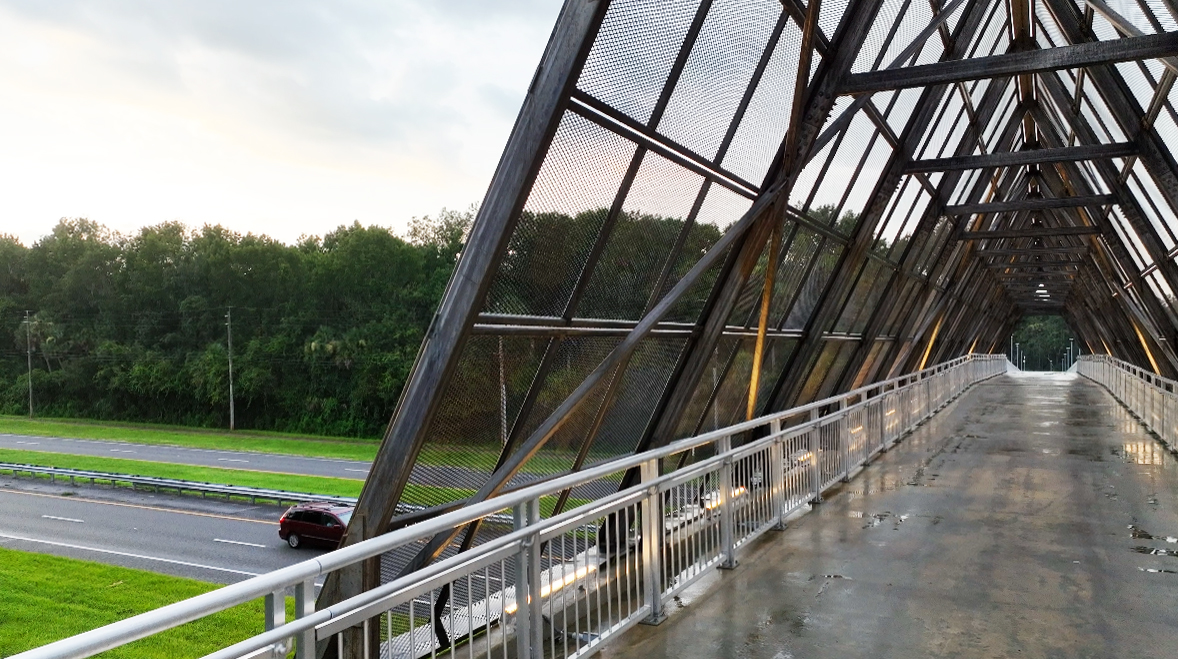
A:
(1043, 340)
(133, 327)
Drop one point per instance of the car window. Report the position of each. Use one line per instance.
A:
(345, 517)
(297, 516)
(317, 518)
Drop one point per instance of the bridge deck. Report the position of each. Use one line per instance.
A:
(1017, 523)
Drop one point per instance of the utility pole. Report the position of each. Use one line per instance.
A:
(29, 354)
(229, 326)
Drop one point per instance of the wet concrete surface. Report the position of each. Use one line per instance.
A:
(1031, 518)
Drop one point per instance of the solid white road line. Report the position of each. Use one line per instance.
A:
(119, 450)
(230, 460)
(65, 519)
(238, 542)
(362, 471)
(123, 553)
(30, 443)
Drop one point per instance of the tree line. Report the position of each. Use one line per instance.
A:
(135, 327)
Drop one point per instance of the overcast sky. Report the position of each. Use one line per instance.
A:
(284, 118)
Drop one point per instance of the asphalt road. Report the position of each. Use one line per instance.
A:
(200, 539)
(283, 464)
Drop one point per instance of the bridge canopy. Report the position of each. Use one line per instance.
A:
(714, 209)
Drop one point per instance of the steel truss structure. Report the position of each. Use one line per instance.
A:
(711, 210)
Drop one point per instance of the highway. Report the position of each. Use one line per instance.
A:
(283, 464)
(200, 539)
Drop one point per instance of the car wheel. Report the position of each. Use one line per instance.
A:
(293, 540)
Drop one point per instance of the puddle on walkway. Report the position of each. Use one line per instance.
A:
(1138, 533)
(1153, 551)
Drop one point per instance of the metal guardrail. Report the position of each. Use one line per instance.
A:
(562, 586)
(176, 484)
(1152, 398)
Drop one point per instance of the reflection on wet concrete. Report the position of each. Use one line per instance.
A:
(1032, 518)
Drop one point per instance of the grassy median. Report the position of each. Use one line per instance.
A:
(262, 442)
(47, 598)
(346, 487)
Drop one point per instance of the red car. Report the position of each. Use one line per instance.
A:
(314, 523)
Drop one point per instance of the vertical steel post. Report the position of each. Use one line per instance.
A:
(814, 445)
(844, 434)
(305, 606)
(776, 470)
(523, 587)
(727, 514)
(652, 543)
(275, 611)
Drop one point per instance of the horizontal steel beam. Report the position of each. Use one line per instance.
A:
(1037, 232)
(1152, 46)
(1047, 203)
(1035, 277)
(1031, 251)
(1032, 265)
(1028, 157)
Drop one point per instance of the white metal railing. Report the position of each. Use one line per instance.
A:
(562, 586)
(1150, 397)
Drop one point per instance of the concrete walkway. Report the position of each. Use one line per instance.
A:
(1032, 518)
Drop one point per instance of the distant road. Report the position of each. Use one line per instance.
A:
(209, 541)
(283, 464)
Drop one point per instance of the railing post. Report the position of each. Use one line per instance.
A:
(814, 445)
(529, 631)
(305, 606)
(652, 542)
(844, 432)
(275, 609)
(727, 514)
(777, 476)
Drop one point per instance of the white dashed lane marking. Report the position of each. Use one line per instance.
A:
(238, 542)
(65, 519)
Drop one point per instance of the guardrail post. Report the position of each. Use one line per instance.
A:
(305, 606)
(777, 476)
(727, 514)
(652, 543)
(813, 445)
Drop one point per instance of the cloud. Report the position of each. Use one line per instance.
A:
(276, 117)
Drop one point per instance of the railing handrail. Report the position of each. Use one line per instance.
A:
(173, 615)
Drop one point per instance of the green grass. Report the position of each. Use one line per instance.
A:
(256, 442)
(48, 598)
(261, 442)
(346, 487)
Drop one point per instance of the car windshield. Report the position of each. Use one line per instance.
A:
(344, 516)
